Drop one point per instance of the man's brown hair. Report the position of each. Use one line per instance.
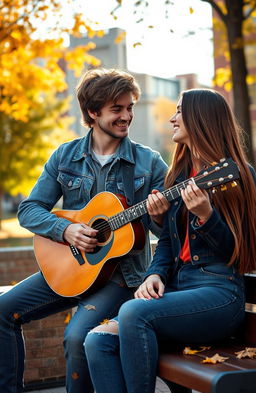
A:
(99, 86)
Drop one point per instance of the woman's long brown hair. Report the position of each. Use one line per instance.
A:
(215, 134)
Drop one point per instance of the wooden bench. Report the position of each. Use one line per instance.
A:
(182, 373)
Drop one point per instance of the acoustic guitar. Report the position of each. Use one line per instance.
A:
(71, 272)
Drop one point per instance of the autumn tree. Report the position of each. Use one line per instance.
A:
(25, 146)
(33, 57)
(238, 19)
(236, 16)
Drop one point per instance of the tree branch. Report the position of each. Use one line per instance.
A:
(253, 7)
(217, 9)
(7, 30)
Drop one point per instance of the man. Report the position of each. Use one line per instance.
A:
(77, 171)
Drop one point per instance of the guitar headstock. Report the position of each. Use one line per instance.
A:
(217, 175)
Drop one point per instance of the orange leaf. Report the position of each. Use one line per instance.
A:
(67, 318)
(105, 322)
(215, 359)
(189, 351)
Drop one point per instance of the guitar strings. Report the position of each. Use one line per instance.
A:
(104, 227)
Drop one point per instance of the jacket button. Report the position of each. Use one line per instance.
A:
(176, 203)
(70, 183)
(176, 258)
(174, 235)
(195, 258)
(193, 236)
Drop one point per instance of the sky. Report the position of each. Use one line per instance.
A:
(179, 44)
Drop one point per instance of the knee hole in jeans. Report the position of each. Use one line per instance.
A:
(110, 327)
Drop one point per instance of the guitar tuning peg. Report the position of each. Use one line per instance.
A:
(214, 190)
(234, 183)
(223, 187)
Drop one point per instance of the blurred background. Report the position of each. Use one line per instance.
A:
(169, 46)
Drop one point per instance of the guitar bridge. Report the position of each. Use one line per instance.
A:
(77, 254)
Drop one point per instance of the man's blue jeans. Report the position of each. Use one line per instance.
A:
(202, 305)
(32, 299)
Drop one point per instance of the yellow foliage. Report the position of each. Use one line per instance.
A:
(29, 66)
(121, 36)
(222, 6)
(251, 79)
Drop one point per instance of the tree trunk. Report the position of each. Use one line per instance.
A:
(1, 208)
(234, 25)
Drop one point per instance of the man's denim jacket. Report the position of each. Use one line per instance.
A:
(69, 174)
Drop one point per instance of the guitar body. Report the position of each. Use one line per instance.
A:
(61, 269)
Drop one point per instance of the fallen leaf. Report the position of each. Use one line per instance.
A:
(90, 307)
(105, 322)
(189, 351)
(215, 359)
(67, 318)
(246, 353)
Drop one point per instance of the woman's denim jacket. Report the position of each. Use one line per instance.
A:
(69, 174)
(209, 243)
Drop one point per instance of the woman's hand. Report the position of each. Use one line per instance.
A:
(157, 206)
(152, 287)
(197, 201)
(81, 236)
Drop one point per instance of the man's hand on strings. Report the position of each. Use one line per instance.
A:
(81, 236)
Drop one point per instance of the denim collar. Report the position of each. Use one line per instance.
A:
(83, 149)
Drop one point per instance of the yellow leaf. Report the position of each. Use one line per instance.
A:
(191, 11)
(136, 44)
(189, 351)
(246, 353)
(121, 36)
(104, 322)
(250, 79)
(215, 359)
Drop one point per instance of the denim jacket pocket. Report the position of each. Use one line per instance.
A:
(138, 184)
(68, 181)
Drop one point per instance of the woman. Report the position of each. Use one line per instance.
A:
(193, 291)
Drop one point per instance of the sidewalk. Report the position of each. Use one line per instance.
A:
(160, 388)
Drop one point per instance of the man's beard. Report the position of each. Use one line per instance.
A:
(111, 133)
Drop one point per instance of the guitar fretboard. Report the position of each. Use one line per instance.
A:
(223, 172)
(138, 210)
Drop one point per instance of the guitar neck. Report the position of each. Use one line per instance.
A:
(138, 210)
(217, 175)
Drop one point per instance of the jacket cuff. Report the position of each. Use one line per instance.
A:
(59, 228)
(207, 225)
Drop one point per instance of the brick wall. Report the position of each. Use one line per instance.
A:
(45, 363)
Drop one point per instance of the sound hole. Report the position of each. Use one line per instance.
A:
(104, 230)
